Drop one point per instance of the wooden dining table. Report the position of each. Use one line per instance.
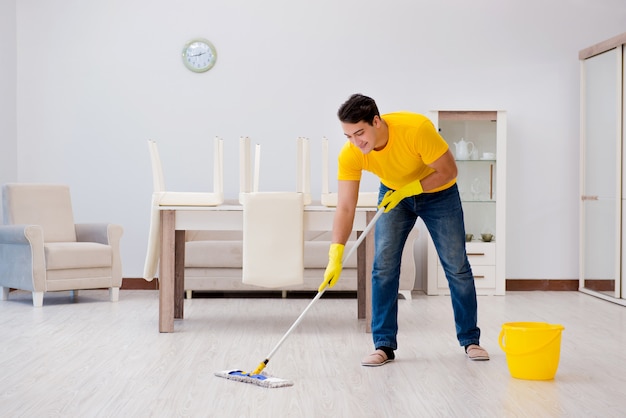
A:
(176, 220)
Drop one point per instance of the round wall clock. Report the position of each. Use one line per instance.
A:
(199, 55)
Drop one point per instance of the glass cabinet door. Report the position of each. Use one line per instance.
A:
(601, 174)
(472, 137)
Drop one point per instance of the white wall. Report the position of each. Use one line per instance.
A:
(8, 90)
(96, 79)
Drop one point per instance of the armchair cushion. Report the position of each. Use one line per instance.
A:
(74, 255)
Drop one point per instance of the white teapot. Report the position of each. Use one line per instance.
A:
(464, 149)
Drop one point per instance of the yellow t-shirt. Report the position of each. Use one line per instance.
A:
(413, 143)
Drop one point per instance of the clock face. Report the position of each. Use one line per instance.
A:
(199, 55)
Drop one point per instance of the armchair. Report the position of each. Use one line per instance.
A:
(42, 250)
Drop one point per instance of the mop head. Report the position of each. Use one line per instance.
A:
(262, 379)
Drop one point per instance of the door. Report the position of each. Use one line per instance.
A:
(601, 156)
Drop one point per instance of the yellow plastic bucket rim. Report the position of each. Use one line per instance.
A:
(544, 327)
(533, 325)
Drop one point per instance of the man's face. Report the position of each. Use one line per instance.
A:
(362, 134)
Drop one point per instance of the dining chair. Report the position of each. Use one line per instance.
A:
(161, 197)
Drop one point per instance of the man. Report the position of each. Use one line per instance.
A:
(418, 178)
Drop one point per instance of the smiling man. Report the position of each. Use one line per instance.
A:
(418, 179)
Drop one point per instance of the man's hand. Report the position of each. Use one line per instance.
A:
(334, 267)
(392, 198)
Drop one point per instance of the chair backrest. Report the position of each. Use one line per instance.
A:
(218, 165)
(303, 164)
(245, 166)
(248, 175)
(158, 180)
(47, 205)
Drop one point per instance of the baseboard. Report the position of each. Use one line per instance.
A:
(139, 284)
(272, 294)
(512, 285)
(600, 285)
(530, 284)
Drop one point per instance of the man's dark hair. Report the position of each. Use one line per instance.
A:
(358, 108)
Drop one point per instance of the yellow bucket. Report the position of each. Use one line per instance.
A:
(532, 349)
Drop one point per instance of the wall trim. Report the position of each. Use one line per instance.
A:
(511, 285)
(139, 284)
(533, 284)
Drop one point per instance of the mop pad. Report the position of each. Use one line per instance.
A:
(262, 379)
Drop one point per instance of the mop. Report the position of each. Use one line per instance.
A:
(258, 377)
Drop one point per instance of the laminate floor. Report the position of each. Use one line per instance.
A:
(89, 357)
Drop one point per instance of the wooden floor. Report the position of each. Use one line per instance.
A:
(93, 358)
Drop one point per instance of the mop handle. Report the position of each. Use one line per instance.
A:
(320, 293)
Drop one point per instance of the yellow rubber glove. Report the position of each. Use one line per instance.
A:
(334, 267)
(392, 198)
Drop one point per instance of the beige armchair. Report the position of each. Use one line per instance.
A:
(42, 250)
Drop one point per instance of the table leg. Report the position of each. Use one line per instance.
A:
(166, 271)
(179, 275)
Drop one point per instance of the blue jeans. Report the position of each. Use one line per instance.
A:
(443, 216)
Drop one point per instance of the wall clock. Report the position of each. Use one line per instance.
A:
(199, 55)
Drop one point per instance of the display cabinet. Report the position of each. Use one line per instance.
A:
(478, 141)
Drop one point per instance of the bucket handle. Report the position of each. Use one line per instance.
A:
(556, 335)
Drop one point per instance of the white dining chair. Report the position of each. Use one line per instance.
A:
(162, 197)
(273, 223)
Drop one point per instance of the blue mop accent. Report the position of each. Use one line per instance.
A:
(253, 376)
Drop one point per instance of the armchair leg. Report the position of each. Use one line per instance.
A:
(114, 293)
(37, 299)
(5, 292)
